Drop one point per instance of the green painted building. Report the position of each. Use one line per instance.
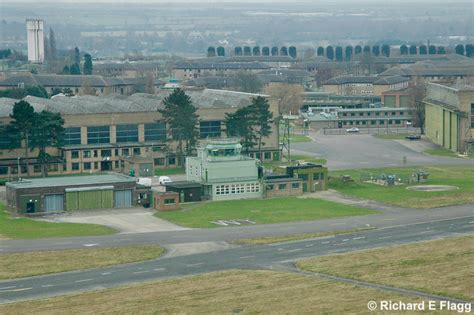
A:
(57, 194)
(449, 116)
(314, 176)
(224, 172)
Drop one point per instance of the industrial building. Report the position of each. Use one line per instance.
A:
(118, 133)
(57, 194)
(449, 118)
(35, 38)
(314, 177)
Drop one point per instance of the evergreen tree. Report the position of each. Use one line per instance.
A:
(403, 50)
(75, 69)
(376, 50)
(330, 52)
(469, 50)
(459, 49)
(441, 50)
(87, 68)
(77, 56)
(247, 51)
(339, 53)
(48, 131)
(320, 51)
(262, 119)
(180, 116)
(366, 49)
(240, 124)
(23, 121)
(292, 52)
(66, 70)
(349, 53)
(52, 45)
(413, 50)
(386, 50)
(283, 51)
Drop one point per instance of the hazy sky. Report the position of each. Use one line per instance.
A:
(235, 1)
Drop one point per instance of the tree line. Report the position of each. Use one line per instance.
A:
(254, 51)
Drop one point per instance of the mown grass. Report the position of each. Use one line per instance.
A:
(442, 152)
(391, 136)
(444, 267)
(260, 211)
(300, 138)
(292, 237)
(230, 292)
(459, 176)
(26, 228)
(45, 262)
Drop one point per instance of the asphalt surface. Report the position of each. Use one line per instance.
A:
(355, 151)
(246, 257)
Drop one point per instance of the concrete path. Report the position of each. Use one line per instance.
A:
(132, 220)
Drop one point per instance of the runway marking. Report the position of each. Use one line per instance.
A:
(11, 287)
(424, 232)
(159, 269)
(345, 240)
(472, 222)
(89, 245)
(280, 249)
(138, 272)
(295, 250)
(17, 290)
(384, 237)
(358, 238)
(197, 264)
(309, 245)
(325, 242)
(105, 273)
(46, 285)
(243, 257)
(83, 280)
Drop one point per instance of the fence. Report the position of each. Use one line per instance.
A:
(374, 131)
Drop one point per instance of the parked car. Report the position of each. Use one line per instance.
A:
(352, 130)
(163, 180)
(413, 137)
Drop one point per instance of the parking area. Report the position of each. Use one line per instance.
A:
(130, 220)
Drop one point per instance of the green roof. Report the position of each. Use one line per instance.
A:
(71, 181)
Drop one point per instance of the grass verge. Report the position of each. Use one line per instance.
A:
(26, 228)
(300, 138)
(260, 211)
(29, 264)
(441, 152)
(231, 292)
(292, 237)
(444, 267)
(391, 136)
(459, 176)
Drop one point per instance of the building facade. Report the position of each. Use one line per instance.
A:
(365, 85)
(449, 118)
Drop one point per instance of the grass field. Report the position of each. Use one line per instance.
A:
(292, 237)
(169, 171)
(444, 267)
(39, 263)
(261, 211)
(460, 176)
(232, 292)
(25, 228)
(299, 138)
(442, 152)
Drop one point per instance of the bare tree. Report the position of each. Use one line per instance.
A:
(417, 105)
(87, 88)
(289, 96)
(150, 83)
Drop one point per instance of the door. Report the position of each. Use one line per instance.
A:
(123, 198)
(30, 207)
(54, 203)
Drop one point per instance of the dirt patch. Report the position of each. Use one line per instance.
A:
(431, 188)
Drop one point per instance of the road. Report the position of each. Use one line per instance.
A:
(357, 151)
(245, 257)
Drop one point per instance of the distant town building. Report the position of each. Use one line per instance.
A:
(35, 37)
(365, 85)
(449, 118)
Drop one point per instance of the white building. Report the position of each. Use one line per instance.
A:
(35, 35)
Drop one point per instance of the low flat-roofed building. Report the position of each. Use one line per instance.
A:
(449, 118)
(314, 176)
(193, 70)
(57, 194)
(365, 85)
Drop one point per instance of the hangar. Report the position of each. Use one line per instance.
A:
(58, 194)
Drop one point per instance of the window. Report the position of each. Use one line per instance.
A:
(267, 155)
(106, 153)
(37, 168)
(116, 152)
(382, 122)
(125, 152)
(171, 160)
(210, 129)
(169, 201)
(281, 186)
(397, 122)
(394, 113)
(53, 168)
(75, 166)
(377, 114)
(74, 154)
(159, 161)
(72, 135)
(401, 113)
(303, 176)
(96, 165)
(155, 131)
(87, 166)
(270, 187)
(372, 122)
(127, 133)
(295, 185)
(96, 153)
(86, 154)
(472, 115)
(137, 151)
(98, 134)
(117, 164)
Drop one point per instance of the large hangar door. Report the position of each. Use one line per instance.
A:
(123, 198)
(54, 203)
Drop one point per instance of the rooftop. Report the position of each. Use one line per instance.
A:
(71, 181)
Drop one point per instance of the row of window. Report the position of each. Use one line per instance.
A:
(237, 189)
(372, 122)
(370, 114)
(105, 153)
(316, 176)
(283, 186)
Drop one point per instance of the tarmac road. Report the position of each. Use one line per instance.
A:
(259, 257)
